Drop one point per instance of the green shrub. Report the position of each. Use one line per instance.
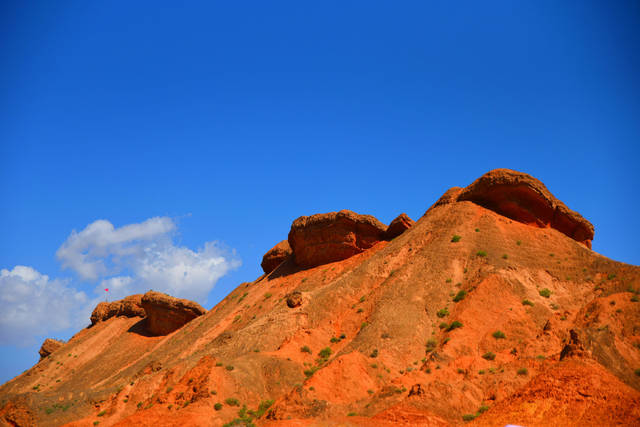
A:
(351, 414)
(454, 325)
(635, 298)
(468, 417)
(325, 353)
(545, 293)
(312, 370)
(518, 242)
(481, 372)
(443, 325)
(431, 345)
(523, 371)
(95, 423)
(232, 402)
(334, 340)
(481, 254)
(456, 238)
(637, 372)
(374, 353)
(305, 349)
(442, 313)
(448, 280)
(460, 296)
(101, 413)
(267, 295)
(498, 335)
(505, 256)
(489, 356)
(217, 406)
(483, 408)
(229, 367)
(527, 302)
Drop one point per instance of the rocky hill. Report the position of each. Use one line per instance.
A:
(490, 309)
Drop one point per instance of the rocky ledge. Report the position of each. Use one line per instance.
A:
(525, 199)
(165, 313)
(129, 307)
(275, 256)
(49, 346)
(324, 238)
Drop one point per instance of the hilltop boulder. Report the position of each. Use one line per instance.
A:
(49, 346)
(275, 256)
(398, 226)
(129, 306)
(334, 236)
(165, 313)
(523, 198)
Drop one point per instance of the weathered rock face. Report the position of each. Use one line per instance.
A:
(165, 313)
(324, 238)
(398, 226)
(573, 348)
(275, 256)
(129, 307)
(49, 346)
(294, 299)
(523, 198)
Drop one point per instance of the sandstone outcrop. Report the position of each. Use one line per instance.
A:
(49, 346)
(129, 306)
(275, 256)
(324, 238)
(523, 198)
(573, 348)
(398, 226)
(165, 313)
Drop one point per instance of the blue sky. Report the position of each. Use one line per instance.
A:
(192, 136)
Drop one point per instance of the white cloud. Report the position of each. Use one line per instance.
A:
(32, 305)
(89, 251)
(148, 257)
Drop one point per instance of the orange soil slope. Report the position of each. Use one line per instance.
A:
(409, 325)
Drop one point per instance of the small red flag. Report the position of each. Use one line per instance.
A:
(107, 290)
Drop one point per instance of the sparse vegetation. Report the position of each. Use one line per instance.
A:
(454, 325)
(483, 408)
(325, 353)
(443, 312)
(456, 238)
(468, 417)
(101, 413)
(459, 296)
(443, 325)
(635, 298)
(305, 349)
(498, 335)
(481, 254)
(229, 368)
(217, 406)
(637, 372)
(481, 372)
(545, 292)
(505, 256)
(448, 280)
(523, 371)
(518, 242)
(232, 402)
(374, 353)
(489, 356)
(431, 345)
(527, 302)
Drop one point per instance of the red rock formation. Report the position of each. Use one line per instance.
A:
(398, 226)
(275, 256)
(324, 238)
(49, 346)
(165, 313)
(129, 307)
(525, 199)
